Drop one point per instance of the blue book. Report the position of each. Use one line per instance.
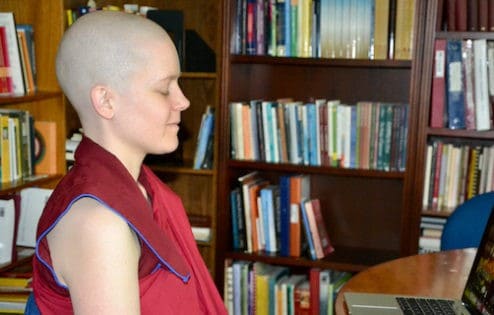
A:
(268, 216)
(313, 131)
(306, 228)
(205, 132)
(285, 215)
(353, 138)
(454, 85)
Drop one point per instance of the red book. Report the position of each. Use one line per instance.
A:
(322, 233)
(473, 16)
(451, 15)
(461, 15)
(302, 298)
(314, 275)
(483, 8)
(437, 176)
(438, 100)
(490, 15)
(5, 78)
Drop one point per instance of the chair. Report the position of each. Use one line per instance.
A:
(465, 226)
(31, 307)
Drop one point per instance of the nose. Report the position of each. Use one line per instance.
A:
(182, 102)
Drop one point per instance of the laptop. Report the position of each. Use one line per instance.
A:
(477, 297)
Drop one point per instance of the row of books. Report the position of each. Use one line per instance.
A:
(203, 157)
(462, 84)
(456, 172)
(14, 292)
(368, 135)
(278, 218)
(27, 147)
(431, 230)
(19, 215)
(467, 15)
(362, 29)
(259, 288)
(17, 57)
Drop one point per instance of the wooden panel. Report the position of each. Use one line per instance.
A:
(348, 84)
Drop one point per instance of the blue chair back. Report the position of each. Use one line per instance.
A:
(465, 226)
(31, 307)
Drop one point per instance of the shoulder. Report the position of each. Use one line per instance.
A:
(90, 234)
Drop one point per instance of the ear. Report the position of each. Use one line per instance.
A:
(102, 101)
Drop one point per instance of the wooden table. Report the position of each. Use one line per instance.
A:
(441, 274)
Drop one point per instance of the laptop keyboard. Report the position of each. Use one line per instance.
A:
(423, 306)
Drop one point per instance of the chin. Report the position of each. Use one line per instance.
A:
(168, 147)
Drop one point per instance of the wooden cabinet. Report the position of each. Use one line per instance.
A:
(366, 212)
(435, 29)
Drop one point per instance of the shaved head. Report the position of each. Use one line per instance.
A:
(103, 48)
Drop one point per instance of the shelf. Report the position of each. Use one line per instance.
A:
(35, 180)
(319, 170)
(198, 75)
(180, 170)
(438, 214)
(322, 62)
(465, 35)
(24, 257)
(343, 258)
(461, 133)
(38, 96)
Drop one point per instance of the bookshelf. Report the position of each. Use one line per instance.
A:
(47, 103)
(437, 27)
(367, 212)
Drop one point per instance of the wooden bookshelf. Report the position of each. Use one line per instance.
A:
(424, 133)
(47, 103)
(368, 213)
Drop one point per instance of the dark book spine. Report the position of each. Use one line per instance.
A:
(391, 28)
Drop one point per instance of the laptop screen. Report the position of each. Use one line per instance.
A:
(478, 295)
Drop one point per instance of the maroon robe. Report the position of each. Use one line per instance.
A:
(172, 275)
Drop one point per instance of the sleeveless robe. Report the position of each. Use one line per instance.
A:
(173, 278)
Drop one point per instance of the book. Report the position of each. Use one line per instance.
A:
(468, 78)
(307, 230)
(320, 233)
(483, 110)
(438, 99)
(15, 66)
(302, 298)
(238, 221)
(5, 76)
(404, 31)
(381, 29)
(24, 52)
(284, 184)
(33, 200)
(454, 85)
(204, 137)
(46, 153)
(299, 190)
(266, 276)
(7, 231)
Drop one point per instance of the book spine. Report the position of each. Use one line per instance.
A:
(455, 98)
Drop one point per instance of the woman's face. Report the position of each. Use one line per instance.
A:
(152, 102)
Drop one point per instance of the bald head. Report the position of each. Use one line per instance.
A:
(103, 48)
